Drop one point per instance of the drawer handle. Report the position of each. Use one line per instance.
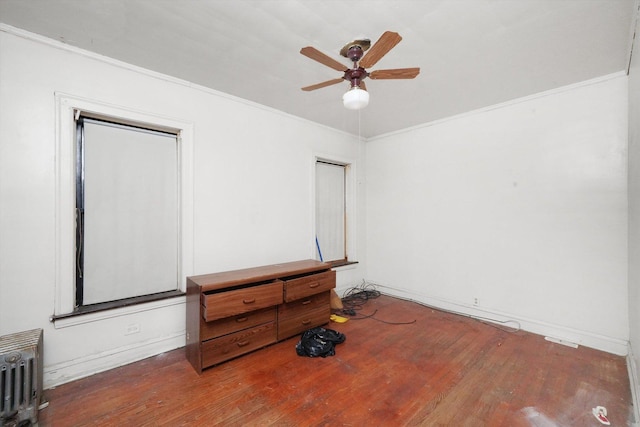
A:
(242, 319)
(314, 285)
(306, 302)
(249, 301)
(306, 322)
(242, 343)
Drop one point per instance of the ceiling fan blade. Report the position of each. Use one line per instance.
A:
(316, 55)
(385, 43)
(397, 73)
(362, 85)
(323, 84)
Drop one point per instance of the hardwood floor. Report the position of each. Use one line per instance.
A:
(441, 370)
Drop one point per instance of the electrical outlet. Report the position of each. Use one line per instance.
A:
(475, 301)
(133, 328)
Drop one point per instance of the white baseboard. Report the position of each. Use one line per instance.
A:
(632, 368)
(564, 334)
(65, 372)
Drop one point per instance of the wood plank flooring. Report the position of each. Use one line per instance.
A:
(441, 370)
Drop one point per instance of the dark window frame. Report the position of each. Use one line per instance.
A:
(79, 306)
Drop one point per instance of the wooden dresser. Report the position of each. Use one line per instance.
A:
(235, 312)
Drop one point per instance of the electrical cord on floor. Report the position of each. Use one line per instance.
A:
(498, 324)
(356, 297)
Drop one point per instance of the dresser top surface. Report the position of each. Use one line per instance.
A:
(225, 279)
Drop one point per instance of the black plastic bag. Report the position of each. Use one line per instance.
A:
(319, 342)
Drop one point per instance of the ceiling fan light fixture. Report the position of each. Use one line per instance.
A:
(355, 98)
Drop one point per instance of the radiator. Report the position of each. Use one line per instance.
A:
(20, 377)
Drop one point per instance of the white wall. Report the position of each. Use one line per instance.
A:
(521, 206)
(253, 193)
(634, 215)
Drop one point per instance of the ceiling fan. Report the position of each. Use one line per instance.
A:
(357, 96)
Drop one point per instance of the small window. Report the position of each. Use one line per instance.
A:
(127, 213)
(331, 218)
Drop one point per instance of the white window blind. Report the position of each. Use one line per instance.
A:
(131, 231)
(330, 211)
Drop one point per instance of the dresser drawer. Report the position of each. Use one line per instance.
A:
(309, 285)
(304, 305)
(218, 328)
(219, 305)
(224, 348)
(296, 324)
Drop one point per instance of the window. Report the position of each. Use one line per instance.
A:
(126, 212)
(331, 212)
(134, 193)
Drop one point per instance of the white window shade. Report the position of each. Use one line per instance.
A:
(330, 211)
(131, 219)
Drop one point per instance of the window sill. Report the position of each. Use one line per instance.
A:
(341, 263)
(96, 312)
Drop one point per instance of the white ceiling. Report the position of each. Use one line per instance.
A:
(472, 53)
